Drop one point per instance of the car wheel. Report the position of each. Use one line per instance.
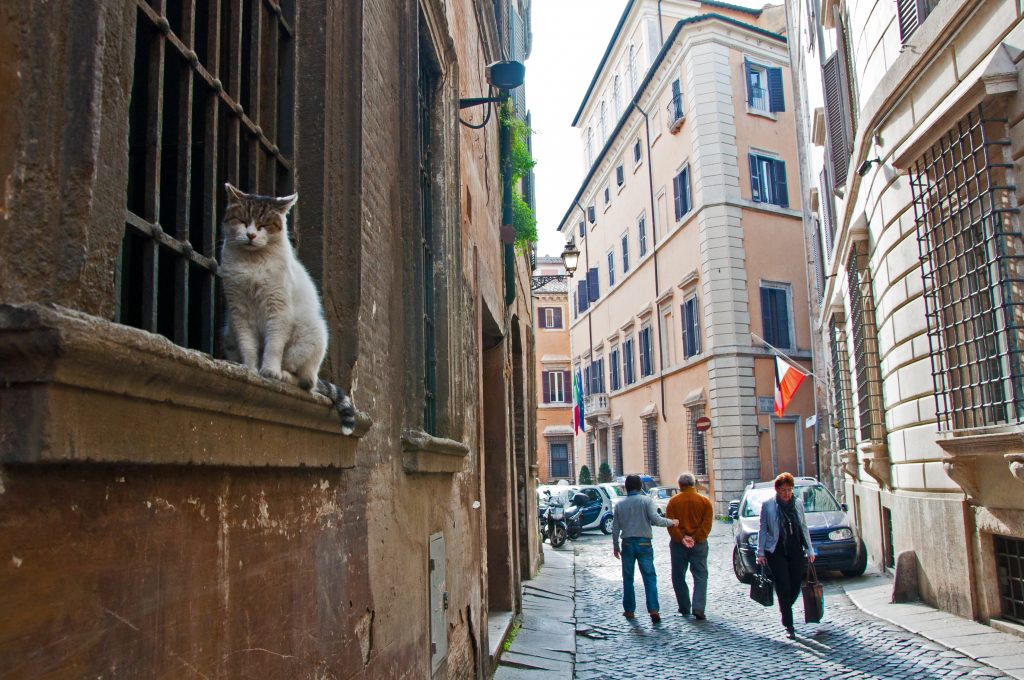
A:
(737, 567)
(558, 537)
(860, 565)
(606, 525)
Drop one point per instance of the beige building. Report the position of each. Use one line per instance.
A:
(689, 224)
(911, 116)
(555, 429)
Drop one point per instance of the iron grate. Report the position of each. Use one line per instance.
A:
(972, 263)
(865, 345)
(1010, 574)
(651, 447)
(697, 441)
(842, 418)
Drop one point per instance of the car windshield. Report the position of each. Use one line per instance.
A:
(815, 498)
(666, 493)
(615, 489)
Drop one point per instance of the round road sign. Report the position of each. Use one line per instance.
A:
(702, 424)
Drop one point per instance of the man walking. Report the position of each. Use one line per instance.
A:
(633, 518)
(689, 545)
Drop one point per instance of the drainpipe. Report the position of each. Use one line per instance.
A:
(507, 230)
(661, 33)
(654, 249)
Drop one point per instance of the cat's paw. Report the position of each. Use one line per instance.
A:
(270, 373)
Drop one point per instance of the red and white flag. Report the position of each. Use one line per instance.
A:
(787, 379)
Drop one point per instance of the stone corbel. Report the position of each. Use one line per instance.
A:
(876, 463)
(848, 463)
(963, 452)
(961, 470)
(1016, 463)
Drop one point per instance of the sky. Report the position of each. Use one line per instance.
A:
(569, 37)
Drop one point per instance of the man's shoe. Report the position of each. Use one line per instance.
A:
(790, 632)
(699, 616)
(655, 617)
(629, 615)
(683, 612)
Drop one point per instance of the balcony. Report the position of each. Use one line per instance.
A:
(595, 405)
(676, 116)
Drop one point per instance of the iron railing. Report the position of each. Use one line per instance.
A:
(972, 263)
(865, 345)
(842, 417)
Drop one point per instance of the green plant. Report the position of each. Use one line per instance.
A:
(585, 477)
(524, 221)
(511, 635)
(604, 473)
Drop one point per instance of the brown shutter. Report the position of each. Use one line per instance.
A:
(827, 211)
(545, 378)
(835, 118)
(910, 14)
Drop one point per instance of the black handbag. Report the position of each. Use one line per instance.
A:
(814, 597)
(762, 589)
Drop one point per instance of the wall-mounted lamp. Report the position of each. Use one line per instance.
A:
(865, 167)
(502, 75)
(570, 259)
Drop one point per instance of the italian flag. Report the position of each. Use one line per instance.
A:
(787, 379)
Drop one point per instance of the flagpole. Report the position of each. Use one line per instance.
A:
(785, 357)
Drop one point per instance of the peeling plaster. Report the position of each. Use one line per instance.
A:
(16, 561)
(364, 631)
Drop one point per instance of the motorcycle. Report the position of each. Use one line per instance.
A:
(559, 522)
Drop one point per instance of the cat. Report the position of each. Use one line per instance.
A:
(275, 321)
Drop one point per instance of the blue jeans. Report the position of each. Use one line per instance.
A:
(640, 552)
(696, 559)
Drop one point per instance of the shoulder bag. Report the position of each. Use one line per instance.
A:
(814, 596)
(762, 589)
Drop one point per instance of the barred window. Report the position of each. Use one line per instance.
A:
(840, 379)
(212, 101)
(558, 459)
(650, 426)
(590, 451)
(617, 452)
(698, 450)
(865, 345)
(972, 263)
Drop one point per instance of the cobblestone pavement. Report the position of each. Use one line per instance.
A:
(739, 639)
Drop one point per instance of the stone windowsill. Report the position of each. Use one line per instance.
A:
(79, 388)
(995, 442)
(422, 452)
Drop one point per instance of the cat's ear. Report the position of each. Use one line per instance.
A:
(233, 193)
(285, 203)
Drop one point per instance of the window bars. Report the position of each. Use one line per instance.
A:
(840, 378)
(1010, 574)
(972, 263)
(865, 345)
(651, 446)
(697, 442)
(212, 100)
(617, 466)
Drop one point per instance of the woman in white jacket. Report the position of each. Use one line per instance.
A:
(783, 542)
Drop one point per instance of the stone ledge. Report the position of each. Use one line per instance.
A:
(78, 388)
(422, 452)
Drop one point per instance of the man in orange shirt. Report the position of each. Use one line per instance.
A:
(689, 544)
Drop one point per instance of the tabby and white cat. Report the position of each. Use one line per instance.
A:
(275, 321)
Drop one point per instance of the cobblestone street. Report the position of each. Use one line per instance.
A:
(739, 639)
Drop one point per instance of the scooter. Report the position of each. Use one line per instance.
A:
(559, 522)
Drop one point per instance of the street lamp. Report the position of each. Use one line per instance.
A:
(570, 258)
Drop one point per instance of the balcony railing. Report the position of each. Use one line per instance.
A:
(596, 404)
(758, 99)
(675, 112)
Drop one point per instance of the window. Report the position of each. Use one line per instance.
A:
(637, 152)
(681, 191)
(768, 181)
(583, 229)
(583, 297)
(558, 459)
(627, 361)
(646, 352)
(607, 197)
(555, 386)
(650, 426)
(865, 345)
(187, 136)
(691, 327)
(611, 268)
(1010, 571)
(593, 285)
(550, 317)
(910, 14)
(617, 451)
(764, 87)
(665, 331)
(970, 243)
(613, 367)
(698, 450)
(617, 96)
(592, 214)
(625, 252)
(588, 148)
(597, 376)
(602, 125)
(641, 233)
(775, 318)
(675, 104)
(620, 176)
(840, 384)
(586, 385)
(631, 69)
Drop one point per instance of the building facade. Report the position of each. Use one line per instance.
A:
(910, 113)
(168, 513)
(555, 429)
(689, 225)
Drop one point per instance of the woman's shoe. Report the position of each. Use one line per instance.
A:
(790, 632)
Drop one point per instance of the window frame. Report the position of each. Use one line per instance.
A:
(641, 235)
(648, 333)
(624, 243)
(787, 290)
(682, 201)
(768, 176)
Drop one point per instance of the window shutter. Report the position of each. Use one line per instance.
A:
(755, 179)
(558, 318)
(695, 324)
(593, 285)
(620, 177)
(779, 179)
(541, 317)
(684, 181)
(835, 118)
(583, 230)
(827, 210)
(776, 97)
(583, 297)
(746, 79)
(782, 310)
(767, 318)
(819, 264)
(910, 13)
(686, 329)
(546, 379)
(677, 187)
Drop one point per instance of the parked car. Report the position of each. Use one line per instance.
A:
(661, 496)
(646, 480)
(836, 543)
(615, 491)
(597, 513)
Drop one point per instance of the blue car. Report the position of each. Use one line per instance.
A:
(837, 547)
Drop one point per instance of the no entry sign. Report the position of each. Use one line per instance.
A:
(702, 424)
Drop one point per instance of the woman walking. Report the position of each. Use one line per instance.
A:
(782, 543)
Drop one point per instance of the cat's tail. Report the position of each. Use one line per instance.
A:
(342, 404)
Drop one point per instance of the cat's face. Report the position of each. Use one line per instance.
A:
(253, 222)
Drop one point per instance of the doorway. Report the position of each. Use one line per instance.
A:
(787, 446)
